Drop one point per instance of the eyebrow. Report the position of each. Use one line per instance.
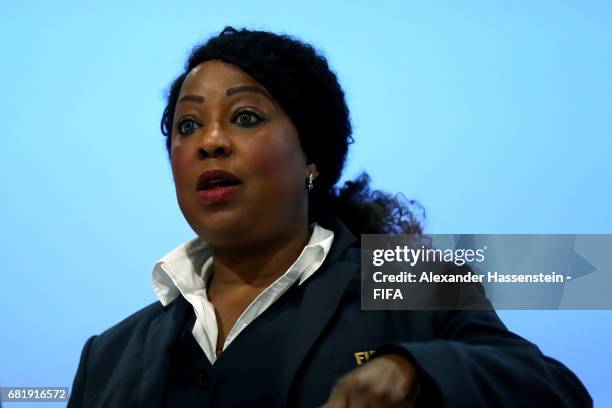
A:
(230, 92)
(192, 98)
(256, 89)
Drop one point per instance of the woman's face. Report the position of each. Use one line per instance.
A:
(238, 166)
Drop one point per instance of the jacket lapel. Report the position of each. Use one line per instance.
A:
(320, 300)
(162, 335)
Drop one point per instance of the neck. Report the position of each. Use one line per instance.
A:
(258, 266)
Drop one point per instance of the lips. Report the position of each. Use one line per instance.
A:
(216, 179)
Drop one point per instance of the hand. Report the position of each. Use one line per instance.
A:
(385, 381)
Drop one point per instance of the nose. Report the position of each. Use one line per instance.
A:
(214, 142)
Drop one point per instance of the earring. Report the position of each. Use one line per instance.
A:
(310, 182)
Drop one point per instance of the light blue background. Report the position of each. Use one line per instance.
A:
(494, 115)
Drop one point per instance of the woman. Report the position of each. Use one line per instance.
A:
(263, 307)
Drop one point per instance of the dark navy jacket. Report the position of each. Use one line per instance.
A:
(465, 358)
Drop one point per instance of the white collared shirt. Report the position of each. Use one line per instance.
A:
(186, 270)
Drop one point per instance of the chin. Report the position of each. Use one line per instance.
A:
(220, 225)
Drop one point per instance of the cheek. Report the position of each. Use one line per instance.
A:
(279, 164)
(179, 162)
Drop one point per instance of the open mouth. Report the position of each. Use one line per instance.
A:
(217, 179)
(217, 184)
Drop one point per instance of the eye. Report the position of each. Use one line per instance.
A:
(247, 118)
(187, 126)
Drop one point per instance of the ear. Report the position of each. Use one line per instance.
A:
(311, 169)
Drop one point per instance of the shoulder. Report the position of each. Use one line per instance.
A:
(135, 324)
(117, 350)
(141, 316)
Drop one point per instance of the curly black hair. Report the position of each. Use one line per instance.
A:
(302, 82)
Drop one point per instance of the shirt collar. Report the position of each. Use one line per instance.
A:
(186, 268)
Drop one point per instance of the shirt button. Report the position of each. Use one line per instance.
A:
(205, 378)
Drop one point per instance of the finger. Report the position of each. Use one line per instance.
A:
(378, 384)
(358, 399)
(365, 391)
(338, 397)
(414, 395)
